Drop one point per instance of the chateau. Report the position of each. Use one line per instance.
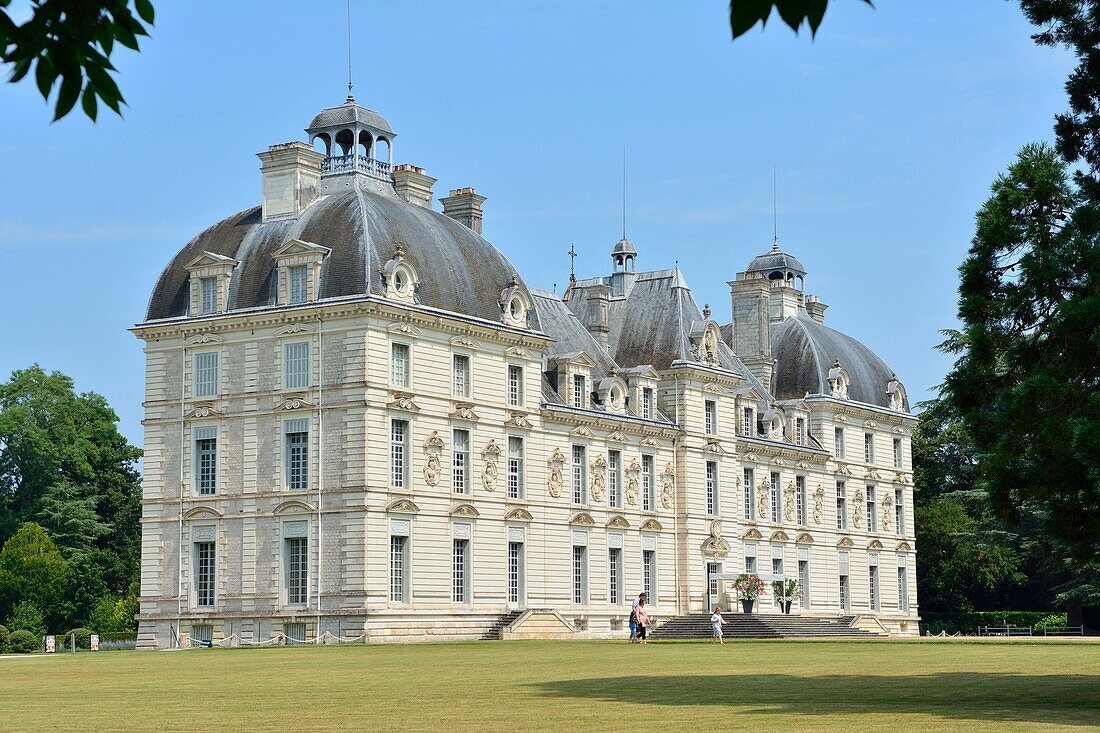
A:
(360, 421)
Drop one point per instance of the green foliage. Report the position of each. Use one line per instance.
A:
(968, 622)
(83, 638)
(27, 617)
(4, 634)
(69, 43)
(748, 587)
(116, 614)
(744, 14)
(32, 572)
(70, 517)
(24, 642)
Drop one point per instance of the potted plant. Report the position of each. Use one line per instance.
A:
(785, 592)
(748, 589)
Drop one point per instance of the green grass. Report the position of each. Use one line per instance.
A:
(777, 687)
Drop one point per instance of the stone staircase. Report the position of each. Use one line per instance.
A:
(501, 623)
(759, 626)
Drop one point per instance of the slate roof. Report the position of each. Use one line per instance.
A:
(775, 260)
(349, 113)
(459, 271)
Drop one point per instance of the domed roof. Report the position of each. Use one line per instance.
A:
(805, 351)
(776, 260)
(349, 113)
(459, 271)
(624, 247)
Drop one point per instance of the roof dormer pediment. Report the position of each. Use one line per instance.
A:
(299, 247)
(210, 259)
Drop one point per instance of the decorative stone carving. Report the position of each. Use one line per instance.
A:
(599, 481)
(582, 431)
(464, 411)
(750, 457)
(763, 489)
(518, 352)
(857, 510)
(294, 402)
(668, 486)
(838, 381)
(404, 329)
(465, 342)
(819, 504)
(203, 409)
(708, 349)
(403, 401)
(887, 511)
(715, 547)
(713, 446)
(874, 545)
(583, 519)
(465, 510)
(617, 437)
(293, 330)
(403, 506)
(843, 468)
(872, 472)
(752, 533)
(519, 420)
(618, 522)
(433, 446)
(518, 515)
(804, 539)
(845, 542)
(489, 472)
(788, 502)
(779, 536)
(203, 339)
(903, 546)
(632, 471)
(652, 525)
(651, 442)
(554, 479)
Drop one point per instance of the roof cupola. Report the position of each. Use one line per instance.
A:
(357, 144)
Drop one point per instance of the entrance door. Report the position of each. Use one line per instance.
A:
(515, 575)
(714, 585)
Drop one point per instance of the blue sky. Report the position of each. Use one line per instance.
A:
(886, 132)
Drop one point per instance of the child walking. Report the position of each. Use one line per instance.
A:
(716, 622)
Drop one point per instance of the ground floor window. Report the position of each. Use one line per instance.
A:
(294, 633)
(515, 573)
(804, 583)
(872, 585)
(297, 570)
(460, 591)
(844, 593)
(399, 563)
(903, 591)
(615, 575)
(204, 574)
(580, 574)
(202, 633)
(649, 575)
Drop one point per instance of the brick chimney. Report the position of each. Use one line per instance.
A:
(413, 185)
(291, 179)
(464, 206)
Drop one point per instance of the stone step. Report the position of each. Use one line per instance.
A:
(759, 626)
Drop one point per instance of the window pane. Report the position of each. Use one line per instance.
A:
(515, 467)
(296, 365)
(515, 385)
(461, 375)
(648, 496)
(204, 573)
(615, 479)
(206, 460)
(297, 455)
(461, 461)
(750, 505)
(397, 568)
(297, 561)
(299, 289)
(398, 453)
(209, 296)
(206, 374)
(399, 365)
(459, 571)
(580, 487)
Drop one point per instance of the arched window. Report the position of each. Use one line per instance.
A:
(323, 144)
(366, 145)
(345, 139)
(382, 150)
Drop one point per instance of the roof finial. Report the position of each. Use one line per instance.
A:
(624, 191)
(775, 218)
(350, 99)
(572, 261)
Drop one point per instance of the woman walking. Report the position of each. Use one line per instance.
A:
(642, 617)
(716, 622)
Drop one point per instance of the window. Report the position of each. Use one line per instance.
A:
(204, 633)
(844, 600)
(649, 500)
(841, 505)
(710, 417)
(294, 633)
(750, 558)
(872, 586)
(615, 479)
(399, 365)
(800, 430)
(712, 487)
(615, 575)
(209, 296)
(804, 583)
(515, 385)
(206, 374)
(899, 512)
(206, 460)
(800, 499)
(515, 467)
(649, 576)
(461, 375)
(204, 574)
(399, 452)
(580, 574)
(297, 454)
(579, 391)
(461, 440)
(777, 568)
(296, 365)
(775, 497)
(647, 402)
(868, 448)
(399, 563)
(746, 421)
(903, 590)
(897, 453)
(299, 287)
(750, 505)
(838, 443)
(580, 487)
(297, 570)
(460, 577)
(871, 515)
(515, 572)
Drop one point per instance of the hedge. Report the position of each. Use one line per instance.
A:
(968, 622)
(83, 638)
(23, 642)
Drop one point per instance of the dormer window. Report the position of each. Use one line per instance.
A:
(612, 392)
(209, 274)
(647, 403)
(748, 422)
(299, 284)
(580, 391)
(298, 271)
(209, 295)
(514, 304)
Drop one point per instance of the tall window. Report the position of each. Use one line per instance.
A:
(515, 572)
(897, 453)
(841, 505)
(746, 421)
(647, 402)
(299, 287)
(461, 375)
(399, 365)
(777, 569)
(710, 417)
(204, 574)
(615, 575)
(871, 514)
(868, 448)
(838, 443)
(775, 497)
(615, 478)
(800, 499)
(580, 574)
(460, 576)
(515, 385)
(899, 512)
(206, 460)
(649, 500)
(296, 365)
(903, 590)
(845, 589)
(515, 467)
(399, 453)
(209, 296)
(206, 374)
(580, 486)
(747, 487)
(712, 487)
(804, 583)
(461, 441)
(297, 454)
(800, 430)
(649, 575)
(399, 564)
(297, 570)
(750, 558)
(579, 391)
(872, 586)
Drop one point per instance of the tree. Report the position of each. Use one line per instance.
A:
(33, 571)
(744, 14)
(69, 518)
(27, 617)
(69, 43)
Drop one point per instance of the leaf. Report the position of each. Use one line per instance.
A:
(125, 36)
(66, 98)
(145, 10)
(105, 86)
(88, 102)
(20, 70)
(744, 14)
(45, 75)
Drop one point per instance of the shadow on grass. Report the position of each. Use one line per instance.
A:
(1065, 699)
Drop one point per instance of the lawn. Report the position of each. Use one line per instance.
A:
(566, 686)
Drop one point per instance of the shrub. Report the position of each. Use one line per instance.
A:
(27, 617)
(4, 634)
(968, 622)
(83, 638)
(1054, 619)
(23, 642)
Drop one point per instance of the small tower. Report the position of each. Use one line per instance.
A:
(358, 148)
(623, 274)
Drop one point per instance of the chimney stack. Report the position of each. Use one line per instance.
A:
(413, 185)
(599, 299)
(291, 179)
(464, 206)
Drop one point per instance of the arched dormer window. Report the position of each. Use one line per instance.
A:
(838, 381)
(514, 304)
(895, 392)
(400, 278)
